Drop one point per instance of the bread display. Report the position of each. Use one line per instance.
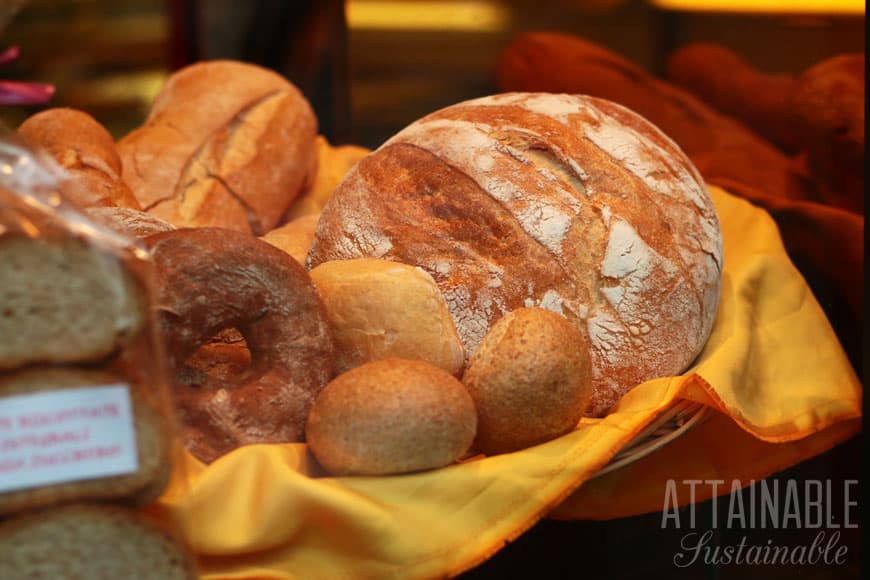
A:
(235, 157)
(391, 416)
(530, 379)
(141, 486)
(93, 542)
(213, 279)
(64, 300)
(86, 150)
(379, 309)
(569, 203)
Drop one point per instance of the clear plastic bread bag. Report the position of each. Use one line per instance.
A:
(86, 413)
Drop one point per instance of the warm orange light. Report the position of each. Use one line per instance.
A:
(468, 15)
(765, 6)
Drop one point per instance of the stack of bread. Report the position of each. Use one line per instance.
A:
(489, 276)
(84, 416)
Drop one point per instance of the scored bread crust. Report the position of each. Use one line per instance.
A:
(93, 541)
(225, 144)
(139, 487)
(566, 202)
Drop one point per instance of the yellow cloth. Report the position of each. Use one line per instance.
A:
(782, 391)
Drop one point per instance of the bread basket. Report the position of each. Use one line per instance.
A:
(672, 423)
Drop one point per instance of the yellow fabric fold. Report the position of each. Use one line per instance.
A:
(779, 385)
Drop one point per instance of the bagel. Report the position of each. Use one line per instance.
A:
(214, 279)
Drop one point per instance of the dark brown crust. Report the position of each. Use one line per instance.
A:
(211, 279)
(86, 150)
(721, 78)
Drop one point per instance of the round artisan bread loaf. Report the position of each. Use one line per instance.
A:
(93, 542)
(226, 144)
(391, 416)
(381, 309)
(567, 202)
(530, 380)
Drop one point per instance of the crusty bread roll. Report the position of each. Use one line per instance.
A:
(530, 380)
(570, 203)
(379, 309)
(132, 223)
(86, 150)
(391, 416)
(152, 444)
(64, 300)
(333, 163)
(225, 144)
(295, 236)
(93, 542)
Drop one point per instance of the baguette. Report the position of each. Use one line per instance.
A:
(226, 144)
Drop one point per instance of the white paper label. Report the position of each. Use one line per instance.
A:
(67, 435)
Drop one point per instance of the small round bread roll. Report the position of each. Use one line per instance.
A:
(391, 416)
(294, 237)
(530, 379)
(380, 309)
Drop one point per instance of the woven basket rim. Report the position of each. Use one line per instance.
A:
(671, 424)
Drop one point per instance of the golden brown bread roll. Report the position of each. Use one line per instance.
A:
(380, 309)
(86, 150)
(570, 203)
(333, 163)
(295, 236)
(141, 486)
(226, 144)
(391, 416)
(92, 541)
(530, 380)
